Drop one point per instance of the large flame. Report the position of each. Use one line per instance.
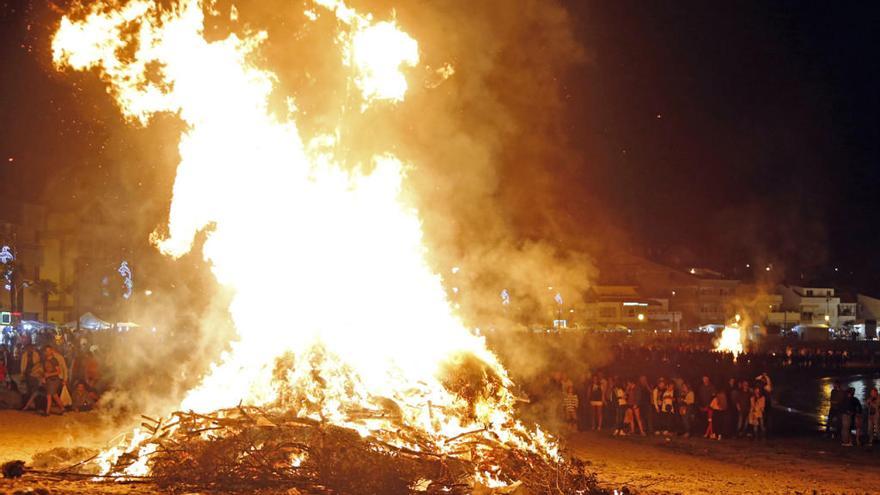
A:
(289, 227)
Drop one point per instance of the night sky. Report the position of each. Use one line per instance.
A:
(736, 132)
(712, 133)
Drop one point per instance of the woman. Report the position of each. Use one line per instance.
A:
(620, 408)
(667, 408)
(757, 404)
(596, 402)
(53, 373)
(633, 400)
(713, 412)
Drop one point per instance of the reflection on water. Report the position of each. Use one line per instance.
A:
(811, 397)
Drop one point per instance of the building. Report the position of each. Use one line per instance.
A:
(623, 307)
(765, 308)
(697, 295)
(817, 305)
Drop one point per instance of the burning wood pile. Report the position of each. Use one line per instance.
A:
(391, 395)
(247, 448)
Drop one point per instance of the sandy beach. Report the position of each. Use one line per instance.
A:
(653, 465)
(644, 465)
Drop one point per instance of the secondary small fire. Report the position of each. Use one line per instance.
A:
(731, 338)
(337, 249)
(730, 341)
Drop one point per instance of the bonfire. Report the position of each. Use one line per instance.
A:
(368, 402)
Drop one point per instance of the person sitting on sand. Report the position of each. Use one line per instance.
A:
(10, 397)
(83, 399)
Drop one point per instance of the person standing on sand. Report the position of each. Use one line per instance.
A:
(32, 369)
(686, 409)
(596, 402)
(570, 405)
(657, 404)
(583, 393)
(633, 401)
(757, 405)
(619, 408)
(54, 375)
(832, 423)
(872, 407)
(705, 395)
(847, 411)
(742, 402)
(667, 409)
(645, 408)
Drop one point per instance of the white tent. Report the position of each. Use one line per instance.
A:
(89, 321)
(36, 325)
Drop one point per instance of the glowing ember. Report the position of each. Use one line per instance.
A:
(250, 177)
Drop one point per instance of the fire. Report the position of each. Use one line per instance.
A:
(290, 228)
(731, 340)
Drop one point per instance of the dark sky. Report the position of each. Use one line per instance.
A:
(734, 132)
(713, 133)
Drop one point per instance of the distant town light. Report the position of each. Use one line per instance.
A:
(148, 292)
(827, 318)
(693, 271)
(641, 317)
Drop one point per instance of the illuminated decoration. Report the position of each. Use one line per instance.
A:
(6, 255)
(505, 297)
(558, 298)
(125, 272)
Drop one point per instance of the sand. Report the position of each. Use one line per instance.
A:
(644, 465)
(740, 466)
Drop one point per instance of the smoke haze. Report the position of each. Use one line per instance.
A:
(489, 160)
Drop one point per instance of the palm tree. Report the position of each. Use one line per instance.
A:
(45, 288)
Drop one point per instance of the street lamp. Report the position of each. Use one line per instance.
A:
(641, 317)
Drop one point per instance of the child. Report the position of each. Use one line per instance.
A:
(83, 400)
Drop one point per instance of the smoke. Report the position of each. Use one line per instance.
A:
(482, 128)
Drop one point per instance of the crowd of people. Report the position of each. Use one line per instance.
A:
(50, 372)
(686, 388)
(668, 405)
(847, 413)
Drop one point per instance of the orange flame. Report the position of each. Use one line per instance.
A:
(338, 248)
